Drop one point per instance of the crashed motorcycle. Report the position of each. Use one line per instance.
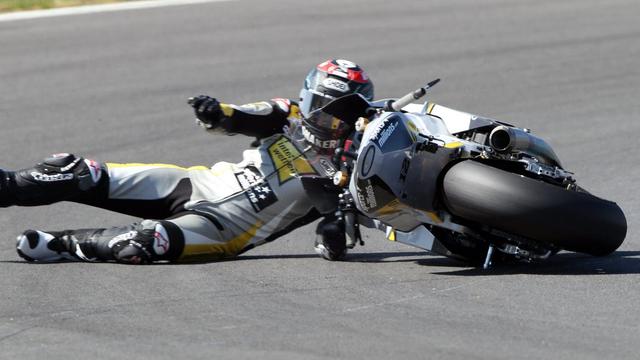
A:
(462, 185)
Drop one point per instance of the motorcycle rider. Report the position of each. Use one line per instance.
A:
(200, 213)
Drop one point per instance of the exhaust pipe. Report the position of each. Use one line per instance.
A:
(508, 139)
(503, 139)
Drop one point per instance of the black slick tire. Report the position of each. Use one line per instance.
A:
(533, 209)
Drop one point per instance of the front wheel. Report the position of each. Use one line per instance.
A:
(533, 209)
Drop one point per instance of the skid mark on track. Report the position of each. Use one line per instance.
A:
(8, 336)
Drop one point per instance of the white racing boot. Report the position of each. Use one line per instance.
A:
(40, 246)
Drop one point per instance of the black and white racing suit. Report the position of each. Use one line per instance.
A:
(191, 214)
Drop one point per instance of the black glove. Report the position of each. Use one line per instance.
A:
(331, 242)
(207, 111)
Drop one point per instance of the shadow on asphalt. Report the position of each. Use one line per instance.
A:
(620, 262)
(353, 257)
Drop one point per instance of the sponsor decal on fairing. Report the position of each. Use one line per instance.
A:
(385, 133)
(327, 167)
(366, 195)
(383, 130)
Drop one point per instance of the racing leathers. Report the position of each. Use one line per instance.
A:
(190, 214)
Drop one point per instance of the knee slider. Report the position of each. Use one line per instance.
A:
(57, 178)
(7, 198)
(153, 240)
(64, 167)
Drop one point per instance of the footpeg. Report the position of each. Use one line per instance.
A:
(487, 260)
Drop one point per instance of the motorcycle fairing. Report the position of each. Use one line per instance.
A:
(455, 120)
(419, 237)
(393, 180)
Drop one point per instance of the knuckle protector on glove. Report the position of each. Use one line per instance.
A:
(197, 100)
(208, 110)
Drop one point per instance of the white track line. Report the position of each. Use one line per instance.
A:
(90, 9)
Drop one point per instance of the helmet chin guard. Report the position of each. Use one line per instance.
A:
(324, 132)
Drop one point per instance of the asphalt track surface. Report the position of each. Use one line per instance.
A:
(113, 87)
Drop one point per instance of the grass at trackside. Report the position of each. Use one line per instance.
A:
(18, 5)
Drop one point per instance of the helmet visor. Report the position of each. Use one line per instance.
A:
(326, 127)
(311, 101)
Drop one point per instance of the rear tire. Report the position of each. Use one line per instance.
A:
(533, 209)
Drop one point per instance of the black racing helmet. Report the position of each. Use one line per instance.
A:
(328, 81)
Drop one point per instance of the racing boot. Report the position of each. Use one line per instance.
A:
(33, 245)
(59, 177)
(142, 243)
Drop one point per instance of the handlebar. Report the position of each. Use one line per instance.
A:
(397, 105)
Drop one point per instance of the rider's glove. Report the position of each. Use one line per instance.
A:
(331, 242)
(208, 111)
